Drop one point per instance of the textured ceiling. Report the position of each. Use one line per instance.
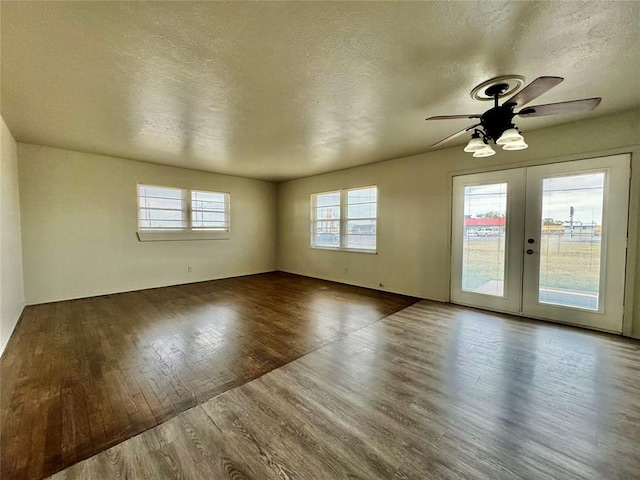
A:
(290, 89)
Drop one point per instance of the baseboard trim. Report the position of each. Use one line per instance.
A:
(15, 327)
(370, 287)
(116, 292)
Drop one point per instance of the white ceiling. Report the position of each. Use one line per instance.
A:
(290, 89)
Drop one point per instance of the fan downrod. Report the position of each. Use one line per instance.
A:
(499, 118)
(496, 91)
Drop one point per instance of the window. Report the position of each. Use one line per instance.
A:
(345, 219)
(174, 211)
(209, 210)
(161, 208)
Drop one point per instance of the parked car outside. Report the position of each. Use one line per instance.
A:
(488, 232)
(327, 240)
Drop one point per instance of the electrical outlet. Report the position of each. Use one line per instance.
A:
(189, 269)
(345, 269)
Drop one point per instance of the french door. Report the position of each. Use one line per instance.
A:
(547, 241)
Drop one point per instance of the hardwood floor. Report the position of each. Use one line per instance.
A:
(80, 376)
(431, 392)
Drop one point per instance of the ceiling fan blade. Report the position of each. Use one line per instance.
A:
(572, 106)
(453, 117)
(532, 91)
(451, 137)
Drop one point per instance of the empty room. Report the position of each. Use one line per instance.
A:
(320, 240)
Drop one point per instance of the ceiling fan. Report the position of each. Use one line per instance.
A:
(497, 123)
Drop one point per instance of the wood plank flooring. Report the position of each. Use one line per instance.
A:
(80, 376)
(431, 392)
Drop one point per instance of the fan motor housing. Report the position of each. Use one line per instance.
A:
(497, 120)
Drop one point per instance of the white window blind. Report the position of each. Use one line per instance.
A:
(326, 221)
(209, 210)
(361, 218)
(345, 219)
(180, 213)
(161, 208)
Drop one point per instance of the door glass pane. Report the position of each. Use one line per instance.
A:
(483, 244)
(570, 240)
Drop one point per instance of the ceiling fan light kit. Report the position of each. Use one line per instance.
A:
(475, 144)
(487, 151)
(509, 135)
(520, 145)
(497, 123)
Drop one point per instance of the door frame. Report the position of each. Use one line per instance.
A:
(514, 231)
(610, 315)
(632, 229)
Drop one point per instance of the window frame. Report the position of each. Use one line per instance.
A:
(190, 211)
(343, 220)
(188, 232)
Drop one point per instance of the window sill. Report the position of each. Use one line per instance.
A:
(182, 236)
(338, 249)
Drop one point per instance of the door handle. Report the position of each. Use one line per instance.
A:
(529, 252)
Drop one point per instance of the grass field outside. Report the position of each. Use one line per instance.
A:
(572, 264)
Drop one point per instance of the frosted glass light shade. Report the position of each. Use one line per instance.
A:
(487, 151)
(474, 145)
(508, 136)
(520, 145)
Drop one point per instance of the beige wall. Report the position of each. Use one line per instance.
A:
(415, 206)
(79, 216)
(11, 282)
(79, 219)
